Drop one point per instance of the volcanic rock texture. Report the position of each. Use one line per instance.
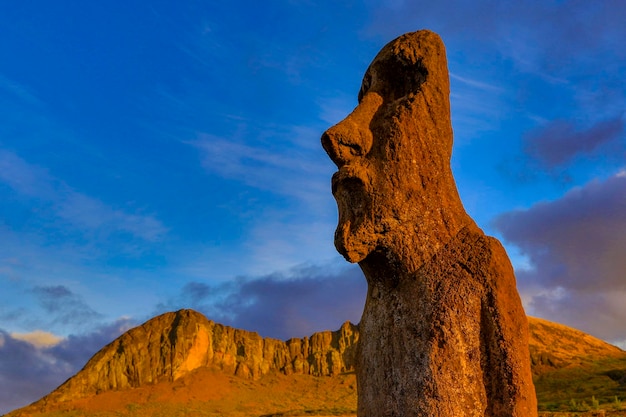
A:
(443, 333)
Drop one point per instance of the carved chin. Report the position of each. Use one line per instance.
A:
(354, 237)
(353, 244)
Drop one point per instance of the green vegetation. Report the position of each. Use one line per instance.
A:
(583, 387)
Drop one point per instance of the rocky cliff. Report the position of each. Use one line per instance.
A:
(171, 345)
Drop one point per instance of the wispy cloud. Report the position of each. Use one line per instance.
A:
(272, 163)
(559, 141)
(82, 212)
(480, 85)
(88, 213)
(567, 152)
(282, 162)
(64, 307)
(476, 105)
(64, 287)
(24, 178)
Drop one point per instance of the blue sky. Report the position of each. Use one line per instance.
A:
(161, 155)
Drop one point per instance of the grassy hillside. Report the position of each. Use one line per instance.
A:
(574, 371)
(593, 384)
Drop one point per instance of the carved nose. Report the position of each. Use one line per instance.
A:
(346, 141)
(352, 138)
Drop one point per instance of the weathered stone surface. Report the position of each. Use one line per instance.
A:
(170, 345)
(443, 332)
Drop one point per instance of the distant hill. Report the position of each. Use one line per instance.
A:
(572, 369)
(181, 363)
(554, 346)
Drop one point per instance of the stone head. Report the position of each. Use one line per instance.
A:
(394, 187)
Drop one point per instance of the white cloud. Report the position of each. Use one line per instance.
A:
(38, 338)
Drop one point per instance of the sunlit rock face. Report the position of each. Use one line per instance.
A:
(171, 345)
(443, 331)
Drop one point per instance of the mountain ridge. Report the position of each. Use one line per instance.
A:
(169, 346)
(176, 348)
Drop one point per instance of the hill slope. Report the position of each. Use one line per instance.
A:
(571, 369)
(554, 346)
(180, 362)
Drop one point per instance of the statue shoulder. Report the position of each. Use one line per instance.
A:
(479, 253)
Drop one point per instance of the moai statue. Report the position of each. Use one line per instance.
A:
(443, 331)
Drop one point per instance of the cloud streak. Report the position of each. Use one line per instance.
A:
(289, 165)
(557, 143)
(274, 164)
(64, 307)
(80, 211)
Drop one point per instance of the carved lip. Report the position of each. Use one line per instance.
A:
(351, 174)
